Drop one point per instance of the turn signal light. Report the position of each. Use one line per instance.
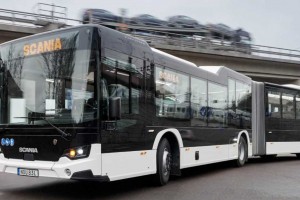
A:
(72, 153)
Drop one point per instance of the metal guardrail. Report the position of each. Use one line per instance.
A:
(35, 19)
(212, 44)
(159, 38)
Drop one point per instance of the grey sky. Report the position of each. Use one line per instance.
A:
(271, 22)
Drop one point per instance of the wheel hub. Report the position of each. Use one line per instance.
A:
(166, 164)
(241, 151)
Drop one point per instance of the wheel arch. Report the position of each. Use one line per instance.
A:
(245, 134)
(164, 133)
(175, 140)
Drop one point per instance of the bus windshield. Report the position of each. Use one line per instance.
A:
(51, 78)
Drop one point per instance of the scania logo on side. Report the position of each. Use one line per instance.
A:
(28, 150)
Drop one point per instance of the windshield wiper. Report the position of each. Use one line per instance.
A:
(63, 133)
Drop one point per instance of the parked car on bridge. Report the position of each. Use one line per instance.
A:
(182, 21)
(242, 37)
(220, 31)
(99, 15)
(147, 20)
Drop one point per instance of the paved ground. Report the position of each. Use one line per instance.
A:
(277, 179)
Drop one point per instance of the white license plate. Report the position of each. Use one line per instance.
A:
(28, 172)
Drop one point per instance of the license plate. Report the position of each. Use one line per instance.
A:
(28, 172)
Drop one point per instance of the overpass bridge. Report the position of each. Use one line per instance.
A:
(262, 63)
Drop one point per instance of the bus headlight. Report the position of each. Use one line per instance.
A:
(77, 152)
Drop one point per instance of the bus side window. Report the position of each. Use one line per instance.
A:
(287, 103)
(274, 107)
(104, 100)
(172, 94)
(298, 106)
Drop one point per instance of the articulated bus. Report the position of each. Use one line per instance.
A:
(91, 103)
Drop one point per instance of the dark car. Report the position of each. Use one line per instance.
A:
(242, 39)
(147, 20)
(221, 31)
(99, 15)
(181, 21)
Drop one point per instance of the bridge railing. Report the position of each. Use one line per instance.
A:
(42, 17)
(209, 44)
(12, 17)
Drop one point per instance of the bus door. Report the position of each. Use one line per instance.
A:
(124, 81)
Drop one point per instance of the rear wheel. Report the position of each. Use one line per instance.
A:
(163, 162)
(242, 152)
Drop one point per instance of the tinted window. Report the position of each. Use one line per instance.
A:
(274, 109)
(172, 94)
(217, 98)
(288, 111)
(199, 102)
(123, 78)
(298, 107)
(243, 105)
(232, 118)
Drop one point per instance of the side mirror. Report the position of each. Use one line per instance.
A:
(115, 108)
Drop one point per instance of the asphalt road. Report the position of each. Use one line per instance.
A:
(259, 179)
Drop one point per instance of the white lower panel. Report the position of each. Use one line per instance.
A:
(207, 154)
(250, 150)
(282, 147)
(56, 169)
(123, 165)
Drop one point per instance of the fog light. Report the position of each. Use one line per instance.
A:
(68, 172)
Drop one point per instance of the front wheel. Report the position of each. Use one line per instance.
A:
(242, 152)
(163, 162)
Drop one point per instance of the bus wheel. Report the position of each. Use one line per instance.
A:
(242, 153)
(163, 162)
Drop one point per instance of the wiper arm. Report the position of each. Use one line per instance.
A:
(63, 133)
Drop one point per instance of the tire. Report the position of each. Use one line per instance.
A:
(298, 155)
(163, 160)
(242, 153)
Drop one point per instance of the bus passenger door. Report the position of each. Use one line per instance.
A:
(125, 134)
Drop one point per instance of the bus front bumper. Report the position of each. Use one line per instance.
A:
(80, 169)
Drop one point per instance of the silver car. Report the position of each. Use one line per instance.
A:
(182, 21)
